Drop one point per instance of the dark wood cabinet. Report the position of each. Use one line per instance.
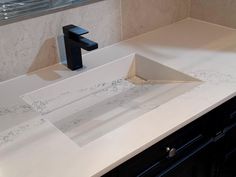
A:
(224, 164)
(225, 154)
(204, 148)
(227, 166)
(192, 163)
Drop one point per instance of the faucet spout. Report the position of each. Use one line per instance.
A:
(87, 44)
(73, 43)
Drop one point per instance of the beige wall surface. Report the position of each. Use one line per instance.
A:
(140, 16)
(216, 11)
(29, 45)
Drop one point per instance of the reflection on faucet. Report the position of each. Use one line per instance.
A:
(73, 44)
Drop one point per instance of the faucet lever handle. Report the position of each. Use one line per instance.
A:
(74, 31)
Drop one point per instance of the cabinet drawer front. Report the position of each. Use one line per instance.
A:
(230, 138)
(231, 115)
(182, 141)
(169, 167)
(221, 117)
(225, 149)
(185, 136)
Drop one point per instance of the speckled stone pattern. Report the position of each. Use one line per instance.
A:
(218, 11)
(32, 145)
(102, 107)
(13, 133)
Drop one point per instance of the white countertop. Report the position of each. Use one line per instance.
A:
(30, 146)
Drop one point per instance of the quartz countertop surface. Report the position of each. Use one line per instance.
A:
(31, 146)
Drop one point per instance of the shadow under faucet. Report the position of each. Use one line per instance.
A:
(73, 43)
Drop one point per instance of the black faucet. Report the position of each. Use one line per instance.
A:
(73, 44)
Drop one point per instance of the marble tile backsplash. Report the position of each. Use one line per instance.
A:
(216, 11)
(29, 45)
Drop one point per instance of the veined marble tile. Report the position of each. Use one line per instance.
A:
(139, 16)
(218, 11)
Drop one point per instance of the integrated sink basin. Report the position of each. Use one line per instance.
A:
(95, 102)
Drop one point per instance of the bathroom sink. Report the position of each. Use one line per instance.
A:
(109, 96)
